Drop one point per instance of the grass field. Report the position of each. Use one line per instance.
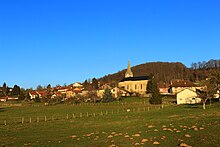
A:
(130, 123)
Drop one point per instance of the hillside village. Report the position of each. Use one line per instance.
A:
(184, 90)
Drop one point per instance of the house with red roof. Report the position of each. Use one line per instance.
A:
(33, 95)
(178, 85)
(56, 94)
(163, 87)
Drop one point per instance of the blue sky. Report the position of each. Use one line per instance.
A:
(64, 41)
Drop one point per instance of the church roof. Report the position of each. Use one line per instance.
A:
(140, 78)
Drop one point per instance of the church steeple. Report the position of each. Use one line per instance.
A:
(129, 72)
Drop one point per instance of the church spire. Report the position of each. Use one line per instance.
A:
(129, 72)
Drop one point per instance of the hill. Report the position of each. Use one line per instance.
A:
(166, 71)
(163, 71)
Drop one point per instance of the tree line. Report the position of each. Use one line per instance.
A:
(211, 64)
(7, 91)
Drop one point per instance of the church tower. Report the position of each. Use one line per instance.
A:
(129, 72)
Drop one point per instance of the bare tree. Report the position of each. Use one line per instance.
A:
(213, 85)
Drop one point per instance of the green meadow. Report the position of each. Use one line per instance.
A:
(130, 122)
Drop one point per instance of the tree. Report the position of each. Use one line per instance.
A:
(40, 88)
(212, 85)
(92, 95)
(4, 89)
(107, 97)
(215, 78)
(152, 88)
(49, 91)
(16, 90)
(22, 94)
(206, 94)
(87, 85)
(95, 84)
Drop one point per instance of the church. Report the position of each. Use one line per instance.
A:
(134, 85)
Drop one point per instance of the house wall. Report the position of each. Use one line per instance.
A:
(139, 87)
(69, 94)
(100, 93)
(164, 90)
(186, 97)
(32, 96)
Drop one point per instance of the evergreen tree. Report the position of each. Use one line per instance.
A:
(49, 91)
(95, 84)
(152, 88)
(4, 89)
(40, 88)
(16, 90)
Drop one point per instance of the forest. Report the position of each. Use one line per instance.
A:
(166, 71)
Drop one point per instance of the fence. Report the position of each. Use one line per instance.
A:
(45, 118)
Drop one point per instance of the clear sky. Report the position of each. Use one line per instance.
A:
(64, 41)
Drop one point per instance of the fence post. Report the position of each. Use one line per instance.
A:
(52, 118)
(30, 119)
(67, 116)
(148, 108)
(101, 113)
(5, 122)
(106, 112)
(45, 118)
(74, 115)
(38, 119)
(94, 114)
(87, 114)
(81, 115)
(22, 120)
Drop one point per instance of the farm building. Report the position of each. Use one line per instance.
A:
(187, 96)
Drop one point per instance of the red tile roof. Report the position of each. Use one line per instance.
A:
(58, 93)
(42, 93)
(182, 83)
(163, 85)
(33, 93)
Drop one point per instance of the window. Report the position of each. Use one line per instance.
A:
(135, 86)
(141, 86)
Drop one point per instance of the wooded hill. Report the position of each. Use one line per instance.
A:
(166, 71)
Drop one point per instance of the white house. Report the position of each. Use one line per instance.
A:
(187, 96)
(33, 94)
(77, 84)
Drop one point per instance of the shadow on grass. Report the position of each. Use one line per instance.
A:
(2, 110)
(193, 106)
